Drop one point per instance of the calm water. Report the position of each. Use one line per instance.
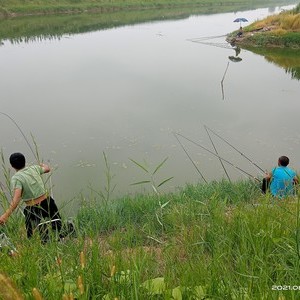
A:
(125, 91)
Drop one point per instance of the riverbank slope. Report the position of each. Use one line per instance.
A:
(219, 240)
(282, 30)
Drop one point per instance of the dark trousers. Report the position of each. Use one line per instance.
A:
(45, 211)
(265, 185)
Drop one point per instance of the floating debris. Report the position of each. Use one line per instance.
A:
(83, 164)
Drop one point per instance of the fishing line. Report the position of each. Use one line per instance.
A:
(252, 162)
(220, 45)
(204, 38)
(214, 154)
(217, 154)
(189, 157)
(21, 131)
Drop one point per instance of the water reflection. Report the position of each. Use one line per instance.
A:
(235, 58)
(230, 46)
(288, 59)
(37, 28)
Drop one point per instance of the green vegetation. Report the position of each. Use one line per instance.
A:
(286, 58)
(210, 241)
(30, 7)
(55, 25)
(282, 30)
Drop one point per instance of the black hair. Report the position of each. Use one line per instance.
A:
(17, 161)
(283, 161)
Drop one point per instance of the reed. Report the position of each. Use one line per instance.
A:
(7, 289)
(220, 240)
(286, 21)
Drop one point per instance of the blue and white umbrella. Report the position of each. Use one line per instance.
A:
(240, 20)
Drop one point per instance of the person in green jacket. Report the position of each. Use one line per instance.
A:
(28, 186)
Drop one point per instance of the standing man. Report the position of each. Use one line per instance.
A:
(27, 185)
(282, 179)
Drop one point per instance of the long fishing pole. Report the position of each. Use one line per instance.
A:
(252, 162)
(219, 45)
(214, 154)
(217, 154)
(189, 157)
(207, 37)
(21, 131)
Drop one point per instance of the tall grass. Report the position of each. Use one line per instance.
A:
(220, 241)
(288, 20)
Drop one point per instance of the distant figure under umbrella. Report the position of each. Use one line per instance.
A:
(240, 20)
(240, 32)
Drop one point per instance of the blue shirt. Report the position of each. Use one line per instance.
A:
(282, 181)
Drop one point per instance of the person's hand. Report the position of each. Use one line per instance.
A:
(45, 167)
(295, 180)
(268, 175)
(3, 219)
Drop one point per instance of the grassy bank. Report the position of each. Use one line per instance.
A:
(212, 241)
(54, 26)
(34, 7)
(31, 20)
(282, 30)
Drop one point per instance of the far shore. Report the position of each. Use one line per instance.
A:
(278, 31)
(21, 8)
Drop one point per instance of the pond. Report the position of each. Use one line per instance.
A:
(125, 91)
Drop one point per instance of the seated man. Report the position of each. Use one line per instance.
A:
(281, 180)
(240, 32)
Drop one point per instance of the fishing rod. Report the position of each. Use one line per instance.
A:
(219, 45)
(217, 154)
(214, 154)
(189, 157)
(207, 38)
(252, 162)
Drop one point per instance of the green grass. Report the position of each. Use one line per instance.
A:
(212, 241)
(23, 7)
(55, 26)
(53, 19)
(282, 31)
(286, 58)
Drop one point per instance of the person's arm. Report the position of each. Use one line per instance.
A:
(13, 205)
(296, 180)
